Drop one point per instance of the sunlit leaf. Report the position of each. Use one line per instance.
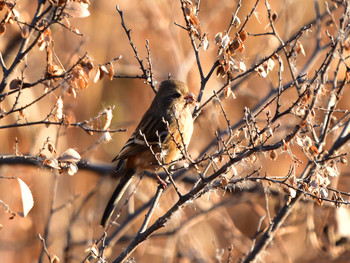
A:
(27, 197)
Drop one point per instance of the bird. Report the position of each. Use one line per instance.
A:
(166, 128)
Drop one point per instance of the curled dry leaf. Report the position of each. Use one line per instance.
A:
(228, 92)
(323, 192)
(109, 116)
(25, 31)
(205, 42)
(69, 155)
(106, 137)
(331, 171)
(313, 150)
(104, 69)
(75, 30)
(273, 155)
(111, 72)
(241, 66)
(59, 109)
(300, 49)
(16, 14)
(52, 162)
(218, 38)
(274, 16)
(93, 249)
(77, 9)
(343, 160)
(51, 147)
(243, 35)
(72, 169)
(225, 40)
(66, 21)
(224, 181)
(55, 259)
(236, 22)
(27, 197)
(2, 29)
(97, 75)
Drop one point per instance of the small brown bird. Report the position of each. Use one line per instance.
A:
(166, 125)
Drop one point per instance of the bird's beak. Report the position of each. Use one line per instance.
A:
(190, 98)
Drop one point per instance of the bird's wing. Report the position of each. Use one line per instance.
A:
(152, 127)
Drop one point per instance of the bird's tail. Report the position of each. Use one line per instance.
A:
(118, 192)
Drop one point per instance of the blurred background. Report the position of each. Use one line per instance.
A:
(206, 237)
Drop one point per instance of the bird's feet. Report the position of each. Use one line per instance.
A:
(161, 181)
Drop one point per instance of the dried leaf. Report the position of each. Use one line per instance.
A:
(261, 71)
(243, 35)
(106, 137)
(323, 192)
(234, 45)
(27, 197)
(273, 155)
(242, 67)
(111, 72)
(205, 42)
(97, 75)
(313, 150)
(59, 108)
(66, 21)
(55, 259)
(300, 49)
(343, 160)
(218, 38)
(75, 30)
(228, 92)
(69, 155)
(331, 171)
(72, 169)
(274, 16)
(52, 163)
(15, 84)
(224, 181)
(61, 2)
(236, 22)
(25, 31)
(2, 29)
(76, 9)
(225, 40)
(51, 147)
(104, 69)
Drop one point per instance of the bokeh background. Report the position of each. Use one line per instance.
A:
(208, 237)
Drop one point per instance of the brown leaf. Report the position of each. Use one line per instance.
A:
(274, 16)
(25, 31)
(273, 155)
(2, 29)
(243, 35)
(15, 84)
(111, 72)
(236, 22)
(228, 92)
(313, 150)
(300, 49)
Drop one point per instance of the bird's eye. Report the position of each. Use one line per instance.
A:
(177, 95)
